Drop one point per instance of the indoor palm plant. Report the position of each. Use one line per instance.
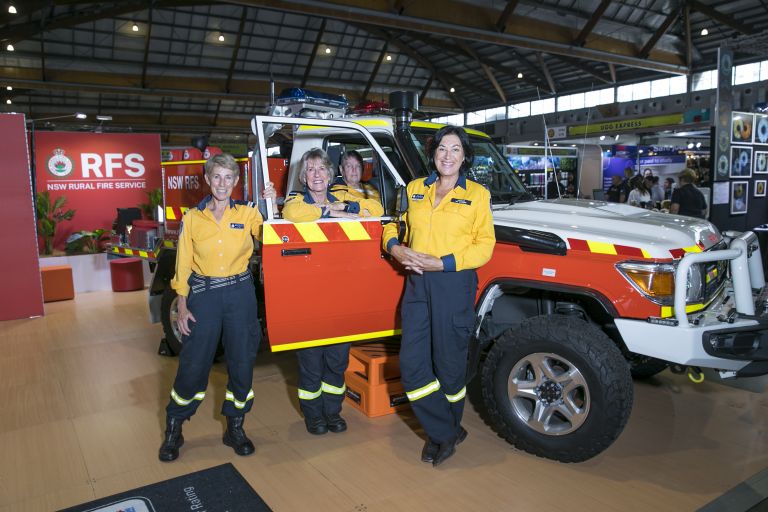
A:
(49, 214)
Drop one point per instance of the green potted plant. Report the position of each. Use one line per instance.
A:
(49, 214)
(155, 198)
(87, 242)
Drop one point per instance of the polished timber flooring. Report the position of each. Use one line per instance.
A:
(82, 392)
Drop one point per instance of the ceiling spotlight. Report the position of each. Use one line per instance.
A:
(135, 27)
(602, 137)
(327, 50)
(616, 137)
(453, 89)
(698, 145)
(12, 9)
(80, 115)
(221, 38)
(10, 48)
(8, 101)
(103, 118)
(704, 32)
(535, 143)
(690, 145)
(389, 57)
(519, 75)
(640, 151)
(8, 88)
(573, 145)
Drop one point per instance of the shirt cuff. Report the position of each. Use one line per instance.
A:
(449, 263)
(391, 243)
(352, 207)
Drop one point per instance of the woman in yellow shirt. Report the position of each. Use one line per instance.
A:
(216, 298)
(352, 167)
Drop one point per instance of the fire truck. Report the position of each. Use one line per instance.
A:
(579, 297)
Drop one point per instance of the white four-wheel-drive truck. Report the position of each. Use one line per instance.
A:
(579, 296)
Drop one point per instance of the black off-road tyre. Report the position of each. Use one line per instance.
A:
(587, 377)
(168, 314)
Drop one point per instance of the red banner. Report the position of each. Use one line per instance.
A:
(97, 172)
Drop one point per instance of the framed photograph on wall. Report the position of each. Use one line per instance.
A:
(760, 132)
(742, 125)
(761, 162)
(741, 162)
(739, 197)
(760, 188)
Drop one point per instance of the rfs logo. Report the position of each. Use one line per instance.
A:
(60, 165)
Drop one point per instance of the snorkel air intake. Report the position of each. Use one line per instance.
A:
(403, 104)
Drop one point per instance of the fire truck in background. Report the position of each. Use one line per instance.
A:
(579, 296)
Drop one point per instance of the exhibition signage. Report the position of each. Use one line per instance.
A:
(97, 172)
(627, 124)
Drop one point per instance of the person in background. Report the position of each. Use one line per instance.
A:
(351, 173)
(669, 185)
(216, 300)
(657, 193)
(613, 194)
(316, 201)
(321, 369)
(448, 234)
(626, 188)
(639, 195)
(687, 199)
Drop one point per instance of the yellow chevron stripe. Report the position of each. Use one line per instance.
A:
(167, 243)
(169, 213)
(311, 232)
(339, 339)
(270, 235)
(355, 230)
(693, 248)
(646, 254)
(129, 252)
(601, 247)
(143, 254)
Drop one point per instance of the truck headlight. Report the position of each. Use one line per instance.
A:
(656, 281)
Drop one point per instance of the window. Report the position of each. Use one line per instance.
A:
(599, 97)
(624, 93)
(641, 91)
(678, 85)
(519, 110)
(660, 88)
(705, 80)
(543, 106)
(764, 70)
(746, 73)
(570, 102)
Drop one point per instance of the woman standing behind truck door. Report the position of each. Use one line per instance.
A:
(449, 234)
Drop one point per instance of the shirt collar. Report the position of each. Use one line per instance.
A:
(308, 197)
(207, 199)
(432, 178)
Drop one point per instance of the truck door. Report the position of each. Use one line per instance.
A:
(327, 281)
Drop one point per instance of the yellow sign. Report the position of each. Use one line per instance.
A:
(627, 124)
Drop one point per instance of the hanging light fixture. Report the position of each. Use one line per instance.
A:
(135, 27)
(519, 75)
(221, 38)
(453, 89)
(10, 48)
(327, 50)
(12, 9)
(704, 32)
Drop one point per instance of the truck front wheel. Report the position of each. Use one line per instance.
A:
(169, 312)
(557, 387)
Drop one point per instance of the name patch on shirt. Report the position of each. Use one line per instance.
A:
(417, 197)
(234, 225)
(461, 201)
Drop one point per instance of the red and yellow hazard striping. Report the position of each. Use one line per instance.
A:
(339, 339)
(133, 252)
(175, 212)
(596, 247)
(309, 232)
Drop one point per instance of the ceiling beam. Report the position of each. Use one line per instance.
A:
(546, 72)
(146, 46)
(612, 71)
(716, 15)
(688, 36)
(315, 49)
(591, 22)
(375, 71)
(349, 11)
(236, 49)
(501, 23)
(583, 67)
(486, 69)
(671, 17)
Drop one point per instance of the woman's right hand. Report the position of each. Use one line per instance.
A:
(182, 321)
(407, 257)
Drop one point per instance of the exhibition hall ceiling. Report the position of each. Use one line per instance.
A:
(194, 66)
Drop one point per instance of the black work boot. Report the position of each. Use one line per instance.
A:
(169, 450)
(446, 450)
(335, 423)
(429, 451)
(316, 426)
(235, 437)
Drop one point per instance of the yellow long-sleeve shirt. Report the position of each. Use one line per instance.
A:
(368, 191)
(215, 249)
(300, 207)
(459, 230)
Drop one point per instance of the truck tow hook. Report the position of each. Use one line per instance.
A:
(694, 373)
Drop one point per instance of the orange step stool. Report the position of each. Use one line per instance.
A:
(373, 379)
(57, 283)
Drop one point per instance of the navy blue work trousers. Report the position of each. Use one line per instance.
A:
(321, 379)
(437, 319)
(228, 313)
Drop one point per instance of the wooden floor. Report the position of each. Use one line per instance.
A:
(82, 392)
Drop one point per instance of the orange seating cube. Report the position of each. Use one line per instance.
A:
(373, 379)
(127, 274)
(57, 283)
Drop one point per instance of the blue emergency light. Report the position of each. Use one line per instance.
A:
(297, 95)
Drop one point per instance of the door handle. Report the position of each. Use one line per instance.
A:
(296, 252)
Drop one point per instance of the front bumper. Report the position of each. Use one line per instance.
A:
(727, 336)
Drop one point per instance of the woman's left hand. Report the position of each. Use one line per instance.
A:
(269, 191)
(425, 263)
